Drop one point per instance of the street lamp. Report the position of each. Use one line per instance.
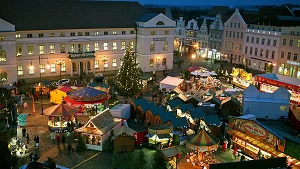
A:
(104, 59)
(60, 63)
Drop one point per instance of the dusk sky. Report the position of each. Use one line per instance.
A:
(218, 2)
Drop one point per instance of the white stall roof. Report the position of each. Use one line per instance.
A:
(281, 78)
(172, 81)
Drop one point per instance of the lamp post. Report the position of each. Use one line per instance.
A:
(104, 59)
(60, 63)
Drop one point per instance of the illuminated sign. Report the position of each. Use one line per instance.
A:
(81, 55)
(255, 129)
(160, 39)
(293, 63)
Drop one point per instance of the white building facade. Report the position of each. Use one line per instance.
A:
(215, 38)
(203, 38)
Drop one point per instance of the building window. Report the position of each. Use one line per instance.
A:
(261, 52)
(42, 68)
(96, 64)
(131, 32)
(247, 39)
(152, 47)
(87, 47)
(2, 56)
(239, 25)
(298, 43)
(18, 35)
(63, 66)
(123, 32)
(284, 42)
(263, 41)
(52, 49)
(62, 34)
(73, 48)
(246, 49)
(291, 42)
(41, 49)
(269, 42)
(234, 25)
(131, 44)
(105, 33)
(252, 39)
(240, 48)
(105, 46)
(30, 49)
(233, 34)
(249, 63)
(29, 35)
(166, 32)
(31, 71)
(96, 46)
(72, 33)
(273, 54)
(295, 56)
(105, 64)
(114, 62)
(164, 62)
(238, 35)
(242, 35)
(79, 33)
(20, 71)
(41, 35)
(51, 34)
(114, 32)
(87, 33)
(96, 33)
(231, 24)
(229, 34)
(274, 42)
(226, 33)
(257, 40)
(225, 44)
(255, 51)
(267, 53)
(289, 55)
(151, 63)
(123, 45)
(165, 48)
(153, 33)
(80, 49)
(62, 48)
(282, 54)
(114, 45)
(52, 68)
(251, 50)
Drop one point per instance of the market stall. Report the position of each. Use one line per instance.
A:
(202, 145)
(160, 135)
(124, 139)
(57, 96)
(170, 83)
(271, 82)
(59, 116)
(207, 83)
(90, 101)
(44, 86)
(241, 78)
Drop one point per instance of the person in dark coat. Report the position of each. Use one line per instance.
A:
(34, 139)
(27, 138)
(63, 140)
(24, 132)
(37, 141)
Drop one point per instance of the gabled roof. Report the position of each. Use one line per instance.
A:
(124, 130)
(138, 102)
(197, 113)
(186, 107)
(70, 14)
(286, 135)
(234, 100)
(145, 17)
(170, 151)
(213, 120)
(174, 103)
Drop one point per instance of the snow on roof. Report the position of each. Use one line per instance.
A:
(173, 81)
(282, 78)
(119, 106)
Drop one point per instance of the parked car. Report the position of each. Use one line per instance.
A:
(60, 82)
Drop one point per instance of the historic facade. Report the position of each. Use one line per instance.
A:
(64, 44)
(215, 38)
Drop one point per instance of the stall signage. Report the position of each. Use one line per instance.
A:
(254, 129)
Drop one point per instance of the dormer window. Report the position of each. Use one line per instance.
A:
(160, 23)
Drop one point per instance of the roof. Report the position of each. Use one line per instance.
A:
(172, 81)
(286, 135)
(124, 130)
(145, 17)
(146, 76)
(104, 121)
(161, 127)
(119, 106)
(170, 151)
(174, 103)
(63, 14)
(202, 138)
(163, 136)
(186, 107)
(213, 120)
(281, 78)
(234, 100)
(197, 113)
(138, 102)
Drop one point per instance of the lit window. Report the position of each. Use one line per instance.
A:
(62, 34)
(114, 62)
(30, 49)
(42, 68)
(51, 35)
(114, 32)
(31, 70)
(166, 32)
(295, 56)
(63, 66)
(96, 64)
(165, 48)
(2, 56)
(2, 38)
(52, 49)
(153, 33)
(105, 64)
(123, 45)
(41, 35)
(96, 46)
(151, 63)
(298, 43)
(131, 44)
(18, 35)
(41, 49)
(80, 48)
(105, 46)
(62, 48)
(73, 48)
(72, 33)
(152, 47)
(261, 52)
(19, 50)
(87, 33)
(114, 45)
(79, 33)
(96, 33)
(20, 71)
(87, 47)
(52, 68)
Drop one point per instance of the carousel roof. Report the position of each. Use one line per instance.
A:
(61, 110)
(87, 92)
(87, 95)
(202, 139)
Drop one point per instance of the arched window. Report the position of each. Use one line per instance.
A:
(2, 56)
(152, 47)
(164, 62)
(160, 23)
(165, 46)
(151, 63)
(3, 76)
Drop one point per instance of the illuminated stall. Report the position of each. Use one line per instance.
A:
(59, 116)
(160, 134)
(271, 82)
(241, 78)
(90, 101)
(251, 136)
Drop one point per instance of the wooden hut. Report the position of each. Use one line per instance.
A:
(124, 139)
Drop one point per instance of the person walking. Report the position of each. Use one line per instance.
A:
(58, 140)
(24, 132)
(34, 139)
(63, 140)
(37, 141)
(27, 138)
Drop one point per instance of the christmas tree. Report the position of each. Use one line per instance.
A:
(128, 79)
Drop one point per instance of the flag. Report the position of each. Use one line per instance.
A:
(33, 107)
